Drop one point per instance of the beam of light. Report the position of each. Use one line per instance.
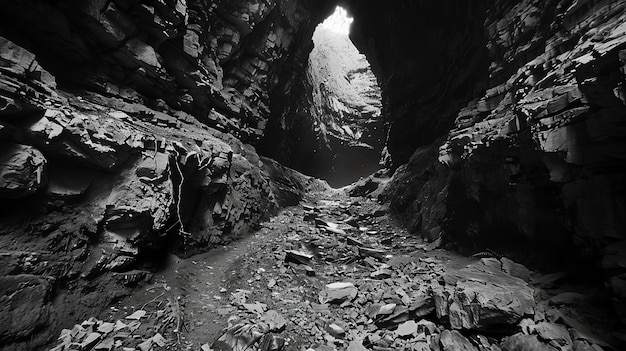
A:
(338, 22)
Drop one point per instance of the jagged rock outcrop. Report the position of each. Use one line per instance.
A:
(483, 297)
(22, 171)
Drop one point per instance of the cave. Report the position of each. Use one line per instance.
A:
(337, 132)
(232, 175)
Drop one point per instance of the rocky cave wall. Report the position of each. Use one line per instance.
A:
(126, 125)
(219, 61)
(430, 58)
(125, 131)
(534, 163)
(426, 71)
(102, 85)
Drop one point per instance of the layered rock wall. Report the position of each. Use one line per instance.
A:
(125, 133)
(220, 61)
(430, 58)
(538, 158)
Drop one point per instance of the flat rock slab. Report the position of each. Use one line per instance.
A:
(515, 269)
(335, 330)
(356, 345)
(274, 320)
(554, 333)
(298, 257)
(407, 328)
(480, 297)
(338, 292)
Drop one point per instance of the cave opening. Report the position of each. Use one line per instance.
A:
(346, 96)
(334, 127)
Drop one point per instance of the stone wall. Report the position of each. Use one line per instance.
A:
(430, 58)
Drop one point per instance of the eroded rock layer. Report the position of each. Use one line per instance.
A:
(430, 57)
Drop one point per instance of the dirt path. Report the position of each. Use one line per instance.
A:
(256, 266)
(196, 286)
(202, 282)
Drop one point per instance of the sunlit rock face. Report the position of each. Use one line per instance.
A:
(334, 128)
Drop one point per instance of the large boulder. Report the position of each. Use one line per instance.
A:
(482, 297)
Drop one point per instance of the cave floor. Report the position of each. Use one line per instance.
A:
(270, 289)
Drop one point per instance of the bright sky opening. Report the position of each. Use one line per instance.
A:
(339, 21)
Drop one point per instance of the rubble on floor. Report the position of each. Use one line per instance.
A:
(413, 297)
(142, 330)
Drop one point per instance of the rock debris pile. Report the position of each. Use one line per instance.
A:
(124, 335)
(337, 274)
